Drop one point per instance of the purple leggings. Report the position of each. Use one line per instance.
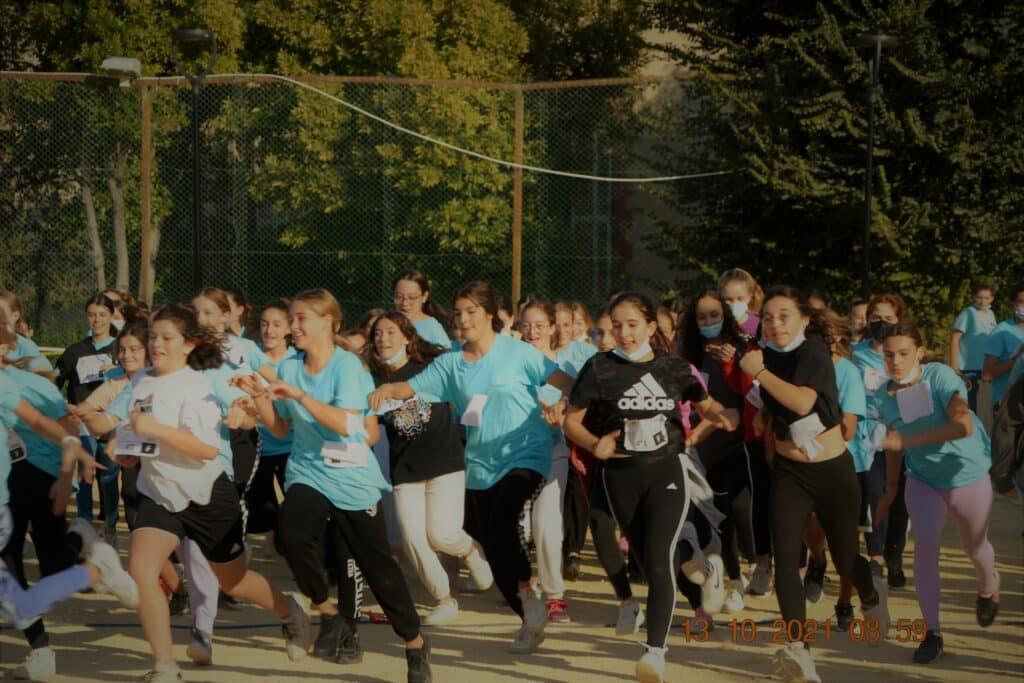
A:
(969, 506)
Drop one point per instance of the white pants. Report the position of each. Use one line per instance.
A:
(203, 586)
(430, 514)
(546, 521)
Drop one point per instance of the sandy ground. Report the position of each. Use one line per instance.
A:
(96, 640)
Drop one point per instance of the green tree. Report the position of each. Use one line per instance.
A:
(782, 96)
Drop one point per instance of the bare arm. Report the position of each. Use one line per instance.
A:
(954, 349)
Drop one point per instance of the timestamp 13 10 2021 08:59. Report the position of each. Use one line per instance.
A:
(808, 631)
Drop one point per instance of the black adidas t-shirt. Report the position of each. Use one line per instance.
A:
(809, 365)
(423, 439)
(641, 399)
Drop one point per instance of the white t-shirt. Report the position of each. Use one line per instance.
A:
(182, 399)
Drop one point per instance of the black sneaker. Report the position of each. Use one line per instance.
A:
(571, 572)
(844, 617)
(930, 648)
(985, 610)
(178, 602)
(419, 664)
(328, 640)
(349, 649)
(897, 579)
(813, 579)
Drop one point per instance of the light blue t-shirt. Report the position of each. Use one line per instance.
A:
(10, 396)
(512, 432)
(951, 464)
(27, 348)
(852, 399)
(976, 325)
(242, 351)
(1003, 343)
(431, 330)
(225, 394)
(344, 383)
(871, 365)
(43, 395)
(1016, 372)
(270, 444)
(569, 360)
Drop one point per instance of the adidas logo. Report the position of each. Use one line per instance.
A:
(672, 487)
(646, 394)
(235, 548)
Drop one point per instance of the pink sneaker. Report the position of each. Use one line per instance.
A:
(558, 611)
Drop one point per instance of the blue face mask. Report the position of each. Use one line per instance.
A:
(710, 331)
(644, 349)
(395, 359)
(797, 341)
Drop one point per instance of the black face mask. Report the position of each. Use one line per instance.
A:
(881, 329)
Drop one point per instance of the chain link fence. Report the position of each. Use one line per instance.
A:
(298, 191)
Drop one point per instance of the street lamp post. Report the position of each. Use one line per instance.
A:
(876, 42)
(195, 40)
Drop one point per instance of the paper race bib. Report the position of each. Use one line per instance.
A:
(90, 368)
(754, 396)
(804, 432)
(874, 379)
(474, 414)
(131, 444)
(235, 353)
(339, 455)
(645, 435)
(390, 404)
(915, 402)
(16, 447)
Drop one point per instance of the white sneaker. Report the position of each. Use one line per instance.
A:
(695, 569)
(526, 641)
(86, 531)
(880, 612)
(733, 597)
(162, 676)
(793, 664)
(651, 666)
(444, 613)
(114, 580)
(631, 618)
(40, 665)
(298, 633)
(535, 612)
(713, 589)
(479, 569)
(761, 580)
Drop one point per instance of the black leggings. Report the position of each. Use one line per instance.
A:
(130, 494)
(602, 530)
(649, 500)
(261, 498)
(574, 514)
(830, 490)
(760, 497)
(729, 478)
(492, 518)
(362, 540)
(31, 507)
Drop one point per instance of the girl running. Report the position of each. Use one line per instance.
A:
(492, 382)
(25, 348)
(744, 296)
(412, 299)
(947, 454)
(812, 470)
(428, 468)
(582, 324)
(632, 393)
(174, 426)
(333, 477)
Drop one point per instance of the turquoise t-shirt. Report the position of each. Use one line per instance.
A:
(27, 348)
(976, 325)
(270, 444)
(241, 351)
(873, 376)
(1016, 372)
(947, 465)
(225, 394)
(431, 330)
(512, 432)
(344, 383)
(10, 396)
(1003, 343)
(569, 360)
(852, 399)
(43, 395)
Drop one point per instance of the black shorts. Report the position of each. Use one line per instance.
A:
(215, 527)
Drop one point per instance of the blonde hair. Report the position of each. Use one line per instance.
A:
(324, 304)
(13, 302)
(740, 275)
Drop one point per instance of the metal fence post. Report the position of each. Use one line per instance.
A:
(145, 192)
(517, 200)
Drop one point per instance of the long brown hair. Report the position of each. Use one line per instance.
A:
(430, 307)
(484, 295)
(419, 349)
(649, 311)
(208, 352)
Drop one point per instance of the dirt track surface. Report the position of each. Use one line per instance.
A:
(96, 640)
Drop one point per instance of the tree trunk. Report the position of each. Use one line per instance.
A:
(93, 229)
(154, 249)
(114, 183)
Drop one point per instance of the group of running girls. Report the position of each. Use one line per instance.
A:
(736, 425)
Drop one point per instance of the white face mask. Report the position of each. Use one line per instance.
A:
(118, 324)
(644, 350)
(739, 309)
(911, 376)
(795, 344)
(395, 359)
